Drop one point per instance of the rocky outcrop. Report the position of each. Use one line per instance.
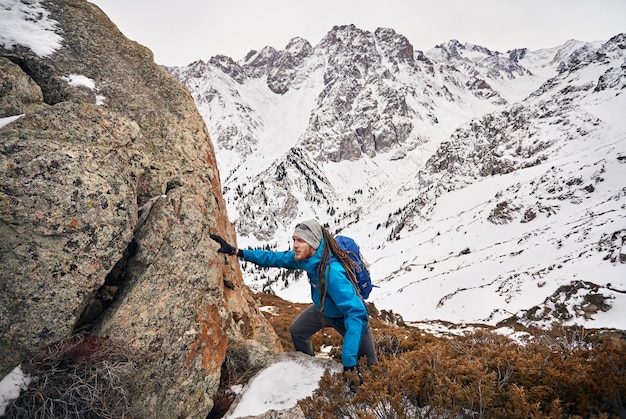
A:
(19, 93)
(109, 190)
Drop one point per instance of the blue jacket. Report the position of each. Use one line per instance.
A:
(342, 300)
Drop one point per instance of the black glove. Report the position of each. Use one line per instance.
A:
(353, 378)
(224, 246)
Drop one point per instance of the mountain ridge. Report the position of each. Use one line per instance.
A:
(367, 134)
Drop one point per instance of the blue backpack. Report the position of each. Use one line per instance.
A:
(364, 281)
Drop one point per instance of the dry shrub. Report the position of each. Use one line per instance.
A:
(608, 365)
(79, 377)
(237, 367)
(387, 344)
(563, 372)
(484, 375)
(334, 398)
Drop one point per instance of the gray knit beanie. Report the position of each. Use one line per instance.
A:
(310, 231)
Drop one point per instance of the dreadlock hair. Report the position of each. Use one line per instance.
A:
(332, 247)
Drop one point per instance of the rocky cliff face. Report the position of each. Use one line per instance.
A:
(109, 190)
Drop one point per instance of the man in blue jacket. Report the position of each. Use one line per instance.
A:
(336, 301)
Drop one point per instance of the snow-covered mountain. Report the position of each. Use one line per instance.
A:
(483, 187)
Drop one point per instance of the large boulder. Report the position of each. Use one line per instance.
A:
(109, 190)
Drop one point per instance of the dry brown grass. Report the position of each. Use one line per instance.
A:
(485, 375)
(560, 373)
(79, 377)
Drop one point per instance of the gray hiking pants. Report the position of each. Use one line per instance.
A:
(311, 321)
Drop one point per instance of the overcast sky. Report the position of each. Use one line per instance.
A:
(180, 32)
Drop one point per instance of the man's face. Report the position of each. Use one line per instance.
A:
(303, 249)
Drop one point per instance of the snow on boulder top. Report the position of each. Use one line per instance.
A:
(28, 25)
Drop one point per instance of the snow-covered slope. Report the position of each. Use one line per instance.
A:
(482, 186)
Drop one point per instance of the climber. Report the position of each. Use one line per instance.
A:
(336, 301)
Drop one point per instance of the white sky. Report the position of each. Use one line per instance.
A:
(180, 32)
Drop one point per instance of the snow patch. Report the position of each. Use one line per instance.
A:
(27, 24)
(6, 121)
(293, 377)
(77, 80)
(11, 386)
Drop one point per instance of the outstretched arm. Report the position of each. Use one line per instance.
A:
(265, 258)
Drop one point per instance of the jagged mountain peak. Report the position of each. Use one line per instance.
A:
(451, 49)
(278, 66)
(618, 41)
(517, 54)
(588, 53)
(344, 34)
(258, 62)
(351, 41)
(456, 49)
(228, 66)
(570, 52)
(394, 45)
(299, 46)
(370, 136)
(477, 59)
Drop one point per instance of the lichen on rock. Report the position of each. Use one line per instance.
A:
(81, 251)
